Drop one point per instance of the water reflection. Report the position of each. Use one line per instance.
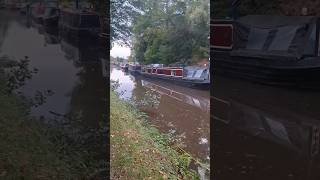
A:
(263, 132)
(179, 111)
(71, 71)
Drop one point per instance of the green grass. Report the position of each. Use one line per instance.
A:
(140, 151)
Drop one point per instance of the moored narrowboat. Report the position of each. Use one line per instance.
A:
(79, 23)
(51, 15)
(187, 76)
(46, 13)
(37, 12)
(134, 68)
(280, 50)
(124, 67)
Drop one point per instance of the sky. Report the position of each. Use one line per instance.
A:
(120, 51)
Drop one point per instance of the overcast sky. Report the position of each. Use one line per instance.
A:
(120, 51)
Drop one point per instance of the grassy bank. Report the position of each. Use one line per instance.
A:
(30, 149)
(138, 150)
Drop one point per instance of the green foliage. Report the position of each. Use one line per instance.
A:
(221, 8)
(171, 31)
(123, 13)
(19, 72)
(259, 7)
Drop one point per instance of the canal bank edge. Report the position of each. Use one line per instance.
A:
(138, 150)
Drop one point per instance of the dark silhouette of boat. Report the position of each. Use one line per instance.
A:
(79, 23)
(51, 18)
(46, 13)
(124, 67)
(134, 68)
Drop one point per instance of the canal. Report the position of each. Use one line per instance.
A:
(71, 71)
(265, 132)
(182, 112)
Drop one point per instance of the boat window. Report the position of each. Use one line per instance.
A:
(90, 21)
(190, 73)
(257, 38)
(283, 38)
(198, 73)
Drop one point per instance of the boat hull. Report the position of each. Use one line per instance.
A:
(38, 19)
(134, 72)
(303, 73)
(76, 33)
(51, 21)
(205, 84)
(124, 69)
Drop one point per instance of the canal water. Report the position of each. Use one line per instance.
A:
(70, 70)
(265, 132)
(182, 112)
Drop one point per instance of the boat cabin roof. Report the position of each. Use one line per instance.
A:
(270, 37)
(134, 64)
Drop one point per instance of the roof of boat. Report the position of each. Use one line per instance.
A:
(268, 21)
(194, 67)
(275, 37)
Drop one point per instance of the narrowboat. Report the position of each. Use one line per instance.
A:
(23, 8)
(187, 76)
(79, 23)
(37, 11)
(279, 50)
(51, 15)
(46, 13)
(124, 67)
(134, 68)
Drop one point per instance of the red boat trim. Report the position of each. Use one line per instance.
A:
(170, 71)
(222, 41)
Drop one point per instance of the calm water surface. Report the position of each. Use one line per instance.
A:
(71, 70)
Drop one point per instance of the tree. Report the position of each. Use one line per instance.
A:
(171, 31)
(123, 13)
